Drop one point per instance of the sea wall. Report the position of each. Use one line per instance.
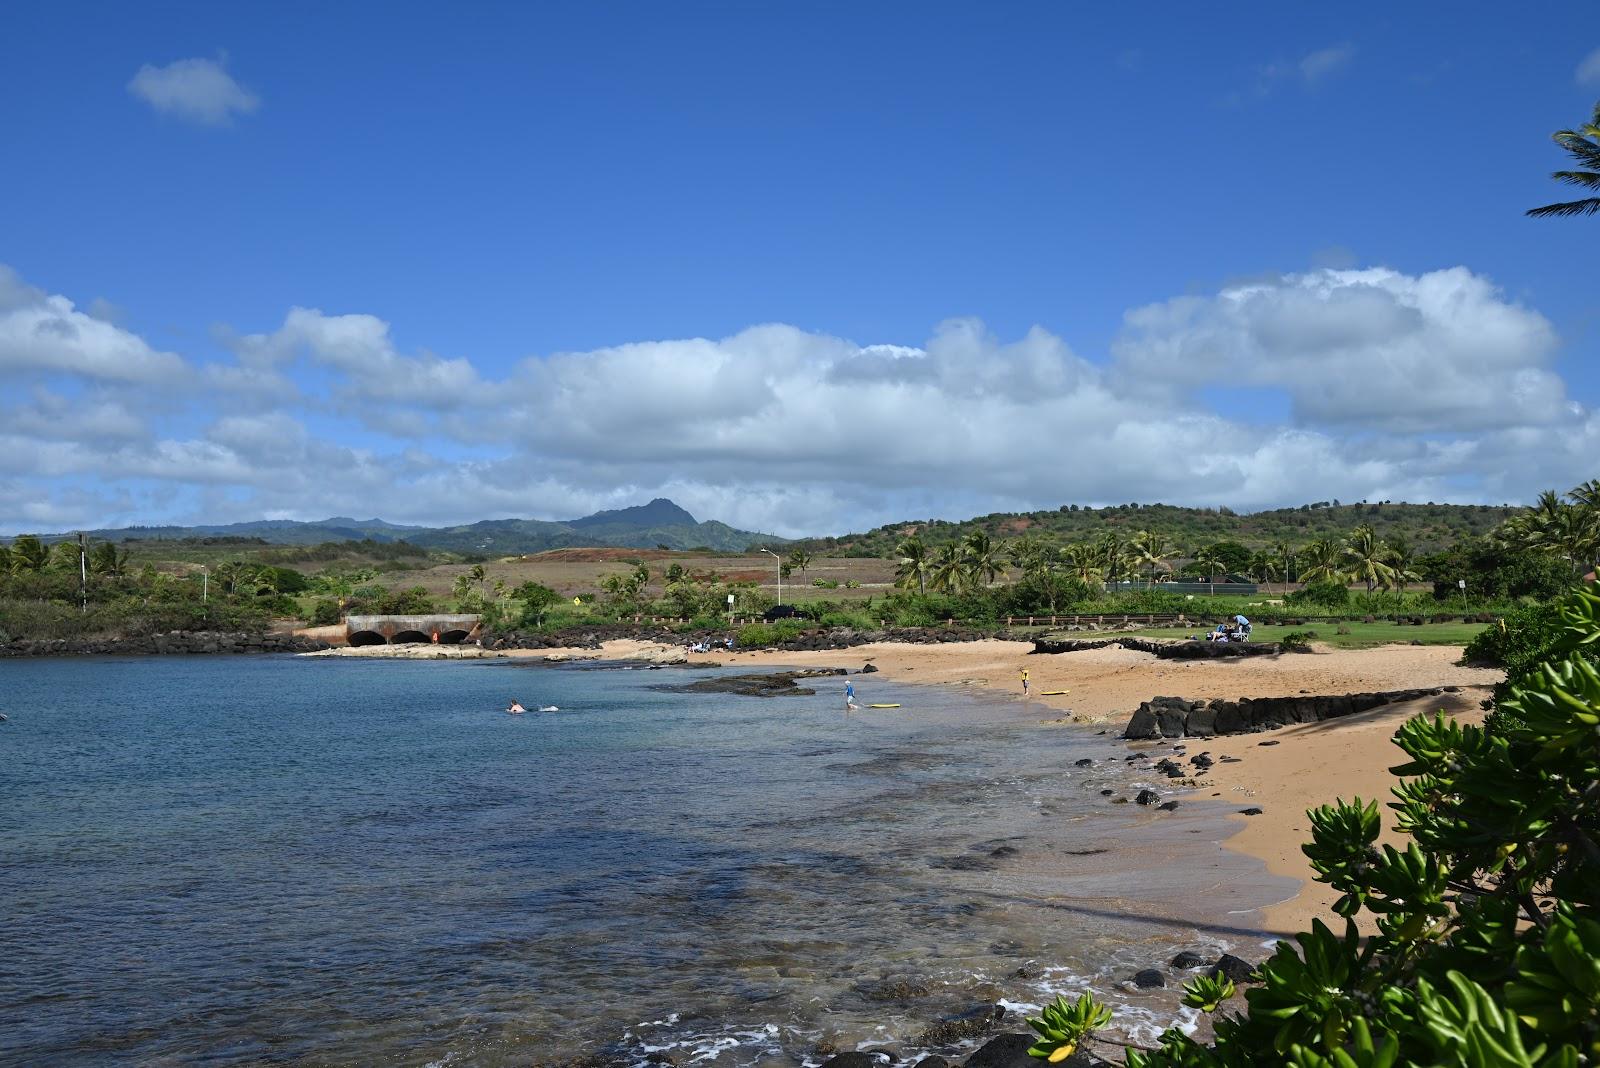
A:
(1166, 650)
(176, 641)
(1174, 717)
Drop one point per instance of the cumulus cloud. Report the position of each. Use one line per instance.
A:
(359, 349)
(44, 332)
(1432, 386)
(195, 90)
(1441, 352)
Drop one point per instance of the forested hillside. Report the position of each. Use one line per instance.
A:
(1429, 527)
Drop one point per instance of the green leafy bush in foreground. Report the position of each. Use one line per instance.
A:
(1487, 945)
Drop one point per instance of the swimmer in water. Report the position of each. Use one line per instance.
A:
(515, 707)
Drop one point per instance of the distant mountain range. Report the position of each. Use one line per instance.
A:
(644, 526)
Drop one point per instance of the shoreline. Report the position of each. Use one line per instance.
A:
(1299, 767)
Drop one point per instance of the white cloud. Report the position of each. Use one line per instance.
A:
(1325, 61)
(1421, 387)
(42, 332)
(359, 348)
(1588, 72)
(196, 90)
(1442, 352)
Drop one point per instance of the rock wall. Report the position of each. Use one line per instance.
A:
(1174, 717)
(177, 641)
(1166, 650)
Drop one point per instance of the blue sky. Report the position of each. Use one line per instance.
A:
(511, 221)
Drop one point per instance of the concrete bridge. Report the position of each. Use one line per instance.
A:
(397, 630)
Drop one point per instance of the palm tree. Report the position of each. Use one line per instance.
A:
(1285, 554)
(1084, 563)
(477, 574)
(1264, 566)
(1207, 560)
(5, 559)
(914, 567)
(1320, 561)
(950, 569)
(1113, 557)
(1367, 558)
(28, 553)
(1586, 495)
(800, 560)
(1029, 555)
(1583, 145)
(982, 558)
(106, 560)
(1152, 548)
(1402, 555)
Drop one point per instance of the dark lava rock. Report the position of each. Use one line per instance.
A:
(868, 669)
(962, 1026)
(1119, 800)
(781, 684)
(1004, 1051)
(962, 863)
(1274, 742)
(1085, 762)
(1249, 812)
(1232, 760)
(1187, 959)
(1011, 1051)
(1150, 977)
(1235, 968)
(1107, 793)
(1168, 806)
(1147, 797)
(1004, 851)
(933, 1061)
(853, 1059)
(895, 988)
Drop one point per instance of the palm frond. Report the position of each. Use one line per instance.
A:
(1587, 179)
(1589, 206)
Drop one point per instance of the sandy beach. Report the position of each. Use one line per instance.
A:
(1299, 768)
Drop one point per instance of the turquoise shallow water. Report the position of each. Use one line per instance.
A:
(219, 860)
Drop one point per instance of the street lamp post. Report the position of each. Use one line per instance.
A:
(779, 559)
(205, 583)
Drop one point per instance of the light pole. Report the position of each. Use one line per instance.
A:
(779, 559)
(205, 583)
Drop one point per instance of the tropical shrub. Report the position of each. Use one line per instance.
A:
(1485, 943)
(1325, 594)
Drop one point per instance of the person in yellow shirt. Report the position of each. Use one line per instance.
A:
(1024, 682)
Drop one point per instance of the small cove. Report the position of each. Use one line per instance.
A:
(327, 861)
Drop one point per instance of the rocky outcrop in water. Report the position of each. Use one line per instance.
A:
(779, 684)
(177, 641)
(1174, 717)
(1165, 650)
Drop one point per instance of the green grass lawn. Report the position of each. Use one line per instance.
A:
(1361, 636)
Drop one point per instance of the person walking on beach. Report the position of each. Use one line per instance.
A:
(1024, 682)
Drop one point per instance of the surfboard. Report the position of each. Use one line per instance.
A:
(1054, 693)
(883, 706)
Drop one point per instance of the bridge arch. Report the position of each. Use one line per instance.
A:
(453, 637)
(366, 637)
(402, 637)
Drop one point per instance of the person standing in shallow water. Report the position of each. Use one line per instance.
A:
(1024, 682)
(849, 697)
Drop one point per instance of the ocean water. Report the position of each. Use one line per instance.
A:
(229, 860)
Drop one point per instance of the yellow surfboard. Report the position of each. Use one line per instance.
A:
(1054, 693)
(883, 706)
